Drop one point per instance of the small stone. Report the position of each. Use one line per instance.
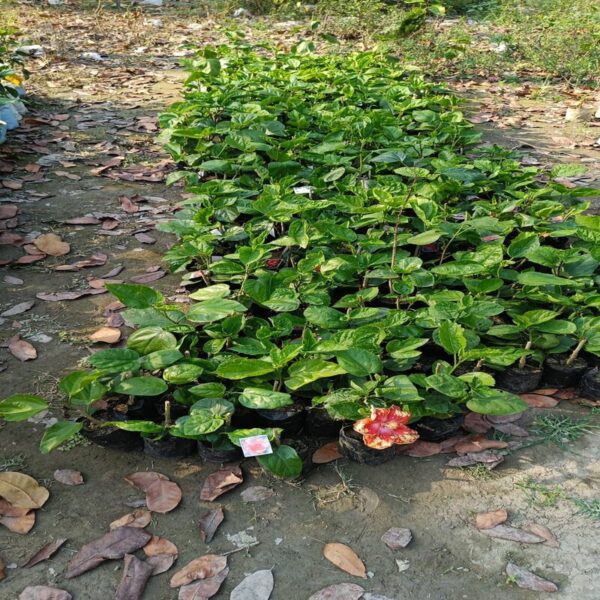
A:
(396, 538)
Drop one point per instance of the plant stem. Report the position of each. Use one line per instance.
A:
(523, 359)
(576, 351)
(167, 413)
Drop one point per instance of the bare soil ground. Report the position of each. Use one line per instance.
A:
(110, 106)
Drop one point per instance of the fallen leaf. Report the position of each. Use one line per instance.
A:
(339, 591)
(109, 224)
(488, 458)
(421, 449)
(487, 520)
(83, 221)
(506, 532)
(60, 296)
(221, 481)
(128, 205)
(144, 238)
(566, 394)
(22, 491)
(10, 239)
(209, 522)
(541, 530)
(52, 244)
(448, 445)
(203, 589)
(199, 568)
(13, 280)
(538, 400)
(546, 391)
(43, 592)
(106, 335)
(162, 495)
(21, 349)
(148, 277)
(478, 445)
(17, 309)
(403, 565)
(114, 544)
(503, 419)
(161, 554)
(345, 558)
(326, 454)
(12, 184)
(136, 573)
(8, 211)
(138, 518)
(529, 581)
(19, 524)
(511, 429)
(397, 537)
(476, 423)
(256, 586)
(68, 476)
(257, 493)
(44, 553)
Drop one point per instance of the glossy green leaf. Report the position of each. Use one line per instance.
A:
(58, 434)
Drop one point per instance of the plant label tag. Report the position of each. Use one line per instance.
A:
(256, 445)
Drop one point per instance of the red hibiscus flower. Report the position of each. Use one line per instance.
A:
(385, 427)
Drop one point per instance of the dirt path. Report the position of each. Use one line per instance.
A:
(90, 112)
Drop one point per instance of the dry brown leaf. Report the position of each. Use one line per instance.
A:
(506, 532)
(511, 429)
(68, 476)
(135, 577)
(209, 522)
(546, 391)
(43, 592)
(52, 244)
(45, 552)
(138, 518)
(203, 589)
(538, 400)
(83, 221)
(21, 524)
(345, 558)
(339, 591)
(221, 481)
(22, 491)
(106, 335)
(128, 205)
(543, 532)
(488, 458)
(12, 184)
(476, 423)
(478, 445)
(148, 277)
(200, 568)
(162, 495)
(13, 280)
(421, 449)
(161, 554)
(8, 211)
(17, 309)
(256, 586)
(326, 454)
(114, 544)
(529, 581)
(487, 520)
(566, 394)
(22, 349)
(144, 238)
(257, 493)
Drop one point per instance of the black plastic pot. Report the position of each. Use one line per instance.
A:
(519, 381)
(352, 447)
(169, 447)
(142, 409)
(209, 454)
(245, 418)
(589, 386)
(111, 437)
(289, 418)
(319, 424)
(557, 373)
(431, 429)
(591, 359)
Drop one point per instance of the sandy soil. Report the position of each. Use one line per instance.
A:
(344, 502)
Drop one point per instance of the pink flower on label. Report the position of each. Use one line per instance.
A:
(256, 445)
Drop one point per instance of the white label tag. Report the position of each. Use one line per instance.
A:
(256, 445)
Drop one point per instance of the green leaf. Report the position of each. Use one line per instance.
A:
(284, 462)
(136, 426)
(447, 385)
(208, 390)
(214, 309)
(182, 373)
(427, 237)
(264, 398)
(359, 362)
(325, 317)
(307, 371)
(219, 290)
(19, 407)
(241, 368)
(151, 339)
(201, 422)
(533, 278)
(217, 406)
(160, 359)
(451, 337)
(495, 402)
(334, 175)
(141, 386)
(115, 360)
(523, 244)
(75, 382)
(399, 389)
(58, 434)
(134, 295)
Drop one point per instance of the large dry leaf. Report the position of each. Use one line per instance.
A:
(488, 458)
(52, 244)
(397, 537)
(541, 530)
(149, 277)
(203, 589)
(257, 493)
(83, 221)
(256, 586)
(511, 429)
(161, 554)
(345, 558)
(21, 349)
(45, 552)
(17, 309)
(421, 449)
(476, 423)
(68, 476)
(478, 444)
(106, 335)
(135, 577)
(221, 481)
(529, 581)
(539, 401)
(114, 544)
(506, 532)
(138, 518)
(487, 520)
(19, 524)
(200, 568)
(22, 491)
(327, 453)
(8, 211)
(162, 495)
(339, 591)
(43, 592)
(209, 522)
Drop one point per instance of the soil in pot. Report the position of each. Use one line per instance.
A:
(519, 380)
(215, 455)
(589, 386)
(289, 418)
(352, 447)
(169, 447)
(557, 373)
(431, 429)
(111, 437)
(319, 424)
